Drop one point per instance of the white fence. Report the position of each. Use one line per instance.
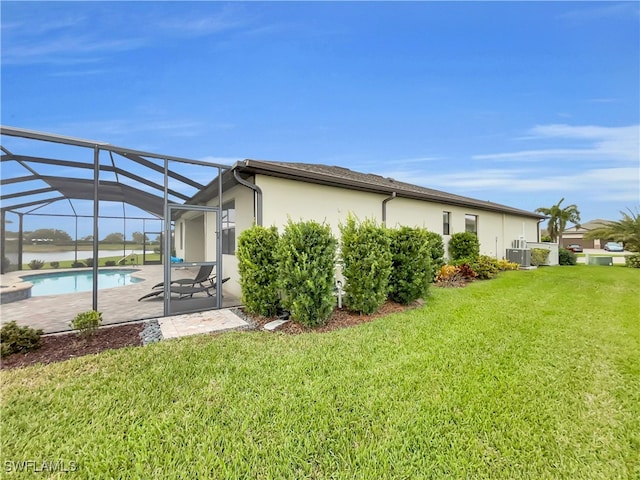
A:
(553, 251)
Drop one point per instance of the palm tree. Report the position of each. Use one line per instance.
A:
(625, 231)
(559, 217)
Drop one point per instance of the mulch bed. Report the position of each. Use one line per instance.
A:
(56, 348)
(341, 318)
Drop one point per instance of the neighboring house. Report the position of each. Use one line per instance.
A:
(575, 235)
(271, 193)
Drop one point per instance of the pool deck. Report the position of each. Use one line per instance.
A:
(53, 313)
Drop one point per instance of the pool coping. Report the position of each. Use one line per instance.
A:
(15, 292)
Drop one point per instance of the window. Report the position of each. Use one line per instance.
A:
(446, 219)
(229, 228)
(471, 223)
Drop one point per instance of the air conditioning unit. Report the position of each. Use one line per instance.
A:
(521, 256)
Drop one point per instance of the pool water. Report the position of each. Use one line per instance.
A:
(81, 281)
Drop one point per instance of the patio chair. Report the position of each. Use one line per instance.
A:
(186, 291)
(201, 277)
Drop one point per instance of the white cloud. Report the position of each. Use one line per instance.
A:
(65, 50)
(597, 11)
(107, 130)
(196, 24)
(600, 183)
(620, 144)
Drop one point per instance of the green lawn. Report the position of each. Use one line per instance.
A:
(137, 260)
(535, 374)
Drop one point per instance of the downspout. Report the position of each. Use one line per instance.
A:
(258, 192)
(384, 207)
(539, 238)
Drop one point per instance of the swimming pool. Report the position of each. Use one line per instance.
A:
(78, 281)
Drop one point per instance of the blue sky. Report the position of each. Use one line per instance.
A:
(517, 103)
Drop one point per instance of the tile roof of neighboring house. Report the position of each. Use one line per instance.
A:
(590, 225)
(343, 177)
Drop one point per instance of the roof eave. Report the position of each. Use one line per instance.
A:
(281, 171)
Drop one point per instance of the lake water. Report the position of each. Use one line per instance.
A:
(82, 255)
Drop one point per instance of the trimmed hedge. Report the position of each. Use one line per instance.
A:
(259, 270)
(306, 257)
(632, 261)
(411, 274)
(366, 256)
(436, 246)
(464, 245)
(567, 257)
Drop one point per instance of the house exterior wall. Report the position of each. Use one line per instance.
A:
(495, 230)
(245, 218)
(190, 238)
(284, 199)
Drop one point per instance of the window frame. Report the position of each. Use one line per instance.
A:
(467, 218)
(446, 222)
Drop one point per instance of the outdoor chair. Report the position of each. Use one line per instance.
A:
(203, 275)
(186, 291)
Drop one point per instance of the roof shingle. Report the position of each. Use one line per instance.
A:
(344, 177)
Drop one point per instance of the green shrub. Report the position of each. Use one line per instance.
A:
(36, 264)
(437, 251)
(464, 245)
(89, 262)
(366, 256)
(411, 273)
(110, 263)
(504, 265)
(87, 322)
(256, 253)
(78, 265)
(54, 264)
(539, 256)
(14, 338)
(566, 257)
(632, 261)
(306, 257)
(485, 267)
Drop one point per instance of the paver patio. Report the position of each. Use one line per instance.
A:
(52, 313)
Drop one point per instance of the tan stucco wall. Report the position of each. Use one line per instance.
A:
(285, 199)
(495, 230)
(192, 230)
(244, 203)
